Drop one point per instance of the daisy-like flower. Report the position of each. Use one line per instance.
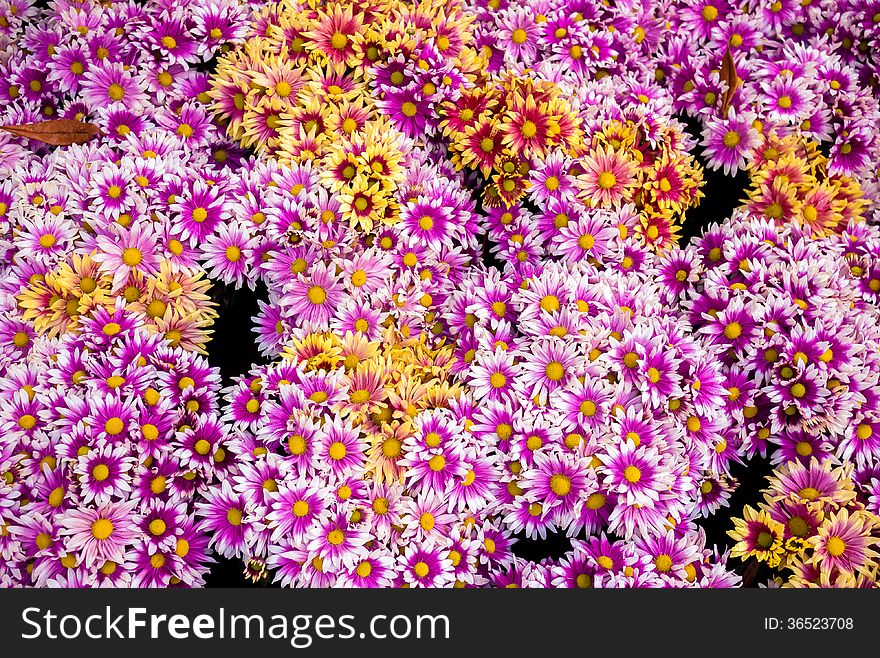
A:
(312, 298)
(758, 535)
(200, 210)
(425, 566)
(341, 448)
(374, 570)
(559, 482)
(337, 543)
(493, 376)
(635, 473)
(334, 33)
(227, 252)
(223, 516)
(551, 365)
(134, 250)
(104, 474)
(589, 236)
(728, 143)
(108, 83)
(844, 542)
(295, 509)
(608, 178)
(816, 481)
(786, 100)
(102, 533)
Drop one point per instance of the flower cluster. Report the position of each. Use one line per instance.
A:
(108, 439)
(791, 181)
(358, 467)
(569, 119)
(323, 274)
(108, 425)
(608, 416)
(672, 559)
(357, 222)
(459, 222)
(135, 215)
(315, 73)
(812, 527)
(799, 69)
(797, 323)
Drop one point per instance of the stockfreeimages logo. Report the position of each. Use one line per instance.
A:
(299, 630)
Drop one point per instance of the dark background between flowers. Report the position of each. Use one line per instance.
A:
(234, 351)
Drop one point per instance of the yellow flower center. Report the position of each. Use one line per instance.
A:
(114, 426)
(560, 484)
(555, 371)
(803, 448)
(339, 41)
(663, 563)
(798, 527)
(317, 295)
(607, 180)
(835, 546)
(337, 451)
(132, 257)
(233, 516)
(102, 529)
(632, 474)
(809, 493)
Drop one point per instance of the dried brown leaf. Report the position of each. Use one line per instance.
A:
(57, 132)
(731, 79)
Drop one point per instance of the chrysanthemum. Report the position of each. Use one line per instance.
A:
(493, 375)
(222, 513)
(636, 474)
(607, 179)
(759, 536)
(728, 142)
(551, 364)
(227, 252)
(311, 299)
(338, 543)
(425, 566)
(108, 83)
(376, 569)
(333, 33)
(843, 542)
(816, 481)
(589, 236)
(295, 509)
(102, 533)
(341, 448)
(133, 250)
